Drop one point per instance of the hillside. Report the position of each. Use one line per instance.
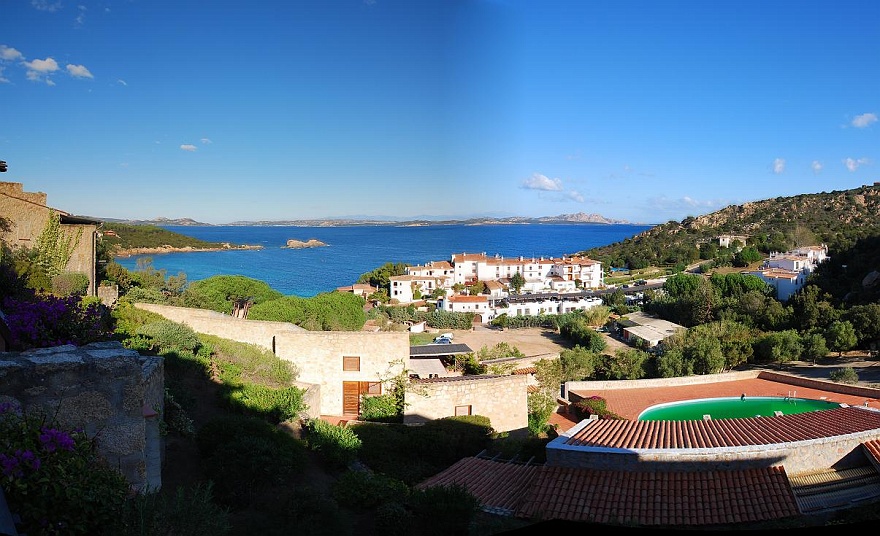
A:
(125, 239)
(838, 219)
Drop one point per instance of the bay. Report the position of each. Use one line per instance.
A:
(355, 250)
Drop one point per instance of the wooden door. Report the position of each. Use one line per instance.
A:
(351, 397)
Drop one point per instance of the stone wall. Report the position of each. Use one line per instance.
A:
(501, 398)
(113, 394)
(258, 332)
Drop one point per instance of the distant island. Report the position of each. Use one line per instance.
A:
(579, 217)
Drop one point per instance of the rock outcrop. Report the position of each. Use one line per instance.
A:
(299, 244)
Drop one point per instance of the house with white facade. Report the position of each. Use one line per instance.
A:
(726, 241)
(404, 287)
(460, 303)
(787, 272)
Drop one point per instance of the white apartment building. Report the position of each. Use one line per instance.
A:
(787, 272)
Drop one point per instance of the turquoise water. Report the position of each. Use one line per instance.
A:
(733, 408)
(355, 250)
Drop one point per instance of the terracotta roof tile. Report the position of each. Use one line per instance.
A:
(715, 433)
(618, 497)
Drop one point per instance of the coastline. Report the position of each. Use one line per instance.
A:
(186, 249)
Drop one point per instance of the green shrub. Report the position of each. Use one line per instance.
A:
(366, 490)
(190, 512)
(53, 479)
(247, 459)
(444, 510)
(541, 406)
(380, 408)
(276, 405)
(302, 511)
(594, 405)
(394, 518)
(67, 283)
(338, 445)
(170, 336)
(846, 375)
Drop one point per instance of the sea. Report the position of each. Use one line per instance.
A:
(354, 250)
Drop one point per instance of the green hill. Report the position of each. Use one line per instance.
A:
(838, 219)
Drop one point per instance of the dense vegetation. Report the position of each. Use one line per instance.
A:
(121, 236)
(838, 219)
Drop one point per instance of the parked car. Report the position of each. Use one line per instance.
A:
(442, 340)
(449, 336)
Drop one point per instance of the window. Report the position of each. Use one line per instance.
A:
(351, 363)
(462, 410)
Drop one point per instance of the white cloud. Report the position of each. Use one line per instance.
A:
(188, 147)
(864, 120)
(206, 141)
(853, 164)
(121, 82)
(779, 165)
(685, 204)
(3, 79)
(574, 195)
(9, 54)
(79, 71)
(44, 5)
(45, 66)
(542, 182)
(81, 17)
(816, 166)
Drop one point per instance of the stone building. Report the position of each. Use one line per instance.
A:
(23, 216)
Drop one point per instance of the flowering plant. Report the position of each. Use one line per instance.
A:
(53, 479)
(54, 321)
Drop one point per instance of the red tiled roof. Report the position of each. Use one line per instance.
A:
(714, 433)
(642, 498)
(499, 486)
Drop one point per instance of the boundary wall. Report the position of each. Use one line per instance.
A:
(114, 394)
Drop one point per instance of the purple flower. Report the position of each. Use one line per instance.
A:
(28, 457)
(10, 465)
(52, 439)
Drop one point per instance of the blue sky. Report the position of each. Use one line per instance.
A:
(646, 111)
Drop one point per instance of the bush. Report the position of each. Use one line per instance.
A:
(167, 335)
(188, 511)
(394, 518)
(444, 510)
(69, 283)
(846, 375)
(52, 321)
(336, 444)
(276, 405)
(244, 456)
(366, 490)
(594, 405)
(380, 408)
(53, 479)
